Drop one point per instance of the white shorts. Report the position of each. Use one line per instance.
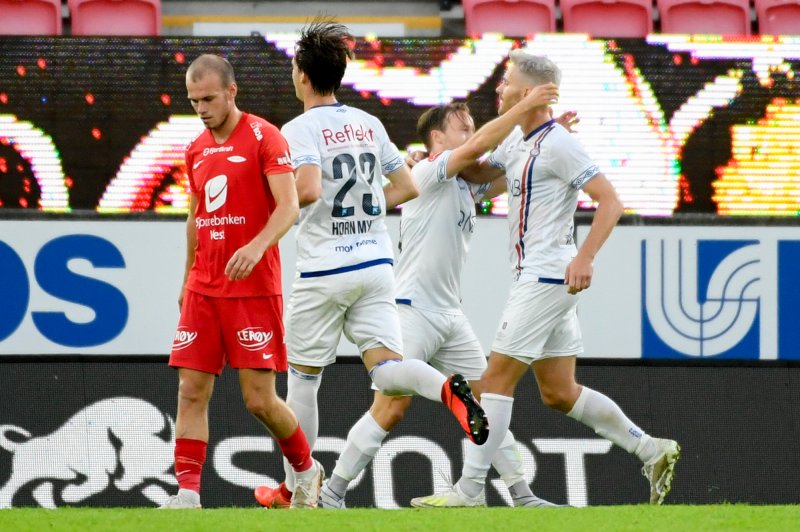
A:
(539, 321)
(359, 303)
(445, 341)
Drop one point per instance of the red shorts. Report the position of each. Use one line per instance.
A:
(244, 332)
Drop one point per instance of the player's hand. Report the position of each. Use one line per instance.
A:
(578, 275)
(541, 95)
(414, 157)
(243, 261)
(568, 119)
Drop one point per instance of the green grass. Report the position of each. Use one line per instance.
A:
(678, 518)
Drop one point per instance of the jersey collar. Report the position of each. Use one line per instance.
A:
(530, 135)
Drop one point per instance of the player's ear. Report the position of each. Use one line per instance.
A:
(233, 89)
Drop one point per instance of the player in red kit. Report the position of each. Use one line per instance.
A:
(243, 199)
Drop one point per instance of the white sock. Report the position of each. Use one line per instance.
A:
(478, 458)
(363, 441)
(508, 462)
(408, 377)
(609, 421)
(302, 399)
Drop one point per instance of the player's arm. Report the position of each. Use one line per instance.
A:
(579, 272)
(493, 132)
(308, 183)
(401, 187)
(191, 244)
(497, 187)
(282, 187)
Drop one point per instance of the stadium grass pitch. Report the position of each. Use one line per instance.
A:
(664, 518)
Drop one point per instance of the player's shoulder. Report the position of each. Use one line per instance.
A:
(197, 141)
(260, 127)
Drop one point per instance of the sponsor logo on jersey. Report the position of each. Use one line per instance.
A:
(197, 164)
(254, 338)
(217, 221)
(183, 338)
(348, 134)
(211, 151)
(257, 130)
(350, 227)
(285, 159)
(237, 159)
(216, 192)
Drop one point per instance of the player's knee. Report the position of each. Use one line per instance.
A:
(193, 394)
(557, 398)
(390, 413)
(259, 403)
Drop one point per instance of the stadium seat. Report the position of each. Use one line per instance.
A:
(723, 17)
(778, 17)
(608, 18)
(513, 18)
(30, 17)
(115, 17)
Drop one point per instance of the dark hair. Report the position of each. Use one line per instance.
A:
(435, 118)
(322, 54)
(211, 63)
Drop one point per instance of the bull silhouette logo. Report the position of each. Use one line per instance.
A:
(90, 450)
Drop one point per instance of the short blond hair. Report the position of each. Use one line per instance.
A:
(536, 68)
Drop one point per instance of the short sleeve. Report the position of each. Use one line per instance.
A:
(274, 151)
(302, 147)
(390, 156)
(497, 159)
(188, 159)
(569, 162)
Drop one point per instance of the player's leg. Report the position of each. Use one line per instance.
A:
(374, 326)
(421, 339)
(461, 352)
(555, 375)
(197, 352)
(497, 398)
(254, 340)
(363, 442)
(262, 400)
(313, 328)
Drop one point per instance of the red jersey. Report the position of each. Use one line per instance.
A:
(234, 203)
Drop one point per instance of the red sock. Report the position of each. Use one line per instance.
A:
(285, 492)
(190, 455)
(296, 450)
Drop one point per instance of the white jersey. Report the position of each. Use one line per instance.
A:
(435, 230)
(345, 228)
(544, 169)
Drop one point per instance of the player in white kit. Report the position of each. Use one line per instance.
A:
(544, 168)
(345, 281)
(435, 232)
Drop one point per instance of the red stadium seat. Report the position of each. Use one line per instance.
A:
(723, 17)
(778, 17)
(115, 17)
(514, 18)
(608, 18)
(30, 17)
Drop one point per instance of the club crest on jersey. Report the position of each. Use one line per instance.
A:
(535, 151)
(216, 192)
(254, 338)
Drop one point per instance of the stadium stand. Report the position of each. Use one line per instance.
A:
(515, 18)
(778, 17)
(30, 17)
(115, 17)
(608, 18)
(726, 17)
